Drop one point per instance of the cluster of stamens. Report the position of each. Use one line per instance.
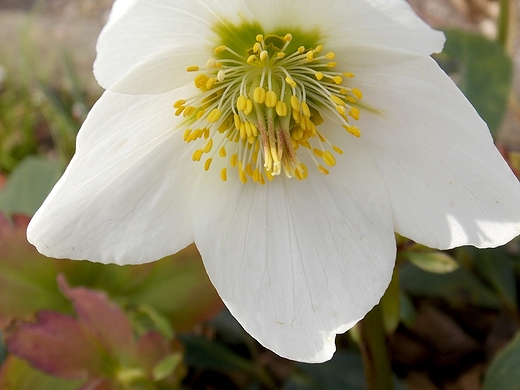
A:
(256, 110)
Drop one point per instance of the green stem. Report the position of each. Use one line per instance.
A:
(505, 24)
(376, 359)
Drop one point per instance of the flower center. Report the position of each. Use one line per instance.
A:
(259, 110)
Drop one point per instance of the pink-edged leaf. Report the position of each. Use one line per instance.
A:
(152, 347)
(27, 279)
(17, 374)
(104, 319)
(58, 345)
(178, 288)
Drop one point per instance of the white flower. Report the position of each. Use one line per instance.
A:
(304, 256)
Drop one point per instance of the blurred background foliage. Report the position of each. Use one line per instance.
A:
(451, 318)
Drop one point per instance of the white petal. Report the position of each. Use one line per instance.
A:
(126, 195)
(297, 262)
(147, 45)
(355, 24)
(448, 184)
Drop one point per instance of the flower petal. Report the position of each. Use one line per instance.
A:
(124, 197)
(146, 47)
(360, 25)
(298, 261)
(448, 184)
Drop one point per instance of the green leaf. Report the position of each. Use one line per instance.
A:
(29, 184)
(390, 304)
(436, 262)
(483, 71)
(208, 354)
(27, 278)
(166, 366)
(16, 374)
(407, 311)
(496, 267)
(458, 288)
(504, 372)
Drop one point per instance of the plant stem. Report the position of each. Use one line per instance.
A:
(506, 22)
(376, 359)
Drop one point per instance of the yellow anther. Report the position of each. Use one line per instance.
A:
(242, 173)
(309, 56)
(353, 130)
(208, 146)
(192, 68)
(342, 110)
(271, 99)
(338, 79)
(305, 109)
(348, 74)
(330, 55)
(254, 129)
(343, 91)
(259, 38)
(187, 133)
(331, 64)
(296, 115)
(337, 150)
(323, 170)
(287, 37)
(206, 133)
(214, 115)
(289, 80)
(297, 133)
(269, 175)
(222, 152)
(179, 110)
(221, 75)
(188, 111)
(337, 100)
(295, 103)
(223, 174)
(350, 99)
(220, 49)
(200, 113)
(259, 95)
(207, 164)
(301, 49)
(257, 47)
(318, 49)
(318, 75)
(243, 133)
(233, 160)
(237, 121)
(179, 103)
(211, 81)
(357, 92)
(197, 155)
(354, 113)
(280, 55)
(317, 152)
(249, 107)
(241, 103)
(249, 169)
(329, 159)
(281, 108)
(251, 59)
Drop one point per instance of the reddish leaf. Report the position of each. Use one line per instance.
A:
(57, 345)
(152, 347)
(105, 320)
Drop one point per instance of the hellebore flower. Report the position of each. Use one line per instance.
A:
(302, 135)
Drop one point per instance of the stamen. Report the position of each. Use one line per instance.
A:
(258, 108)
